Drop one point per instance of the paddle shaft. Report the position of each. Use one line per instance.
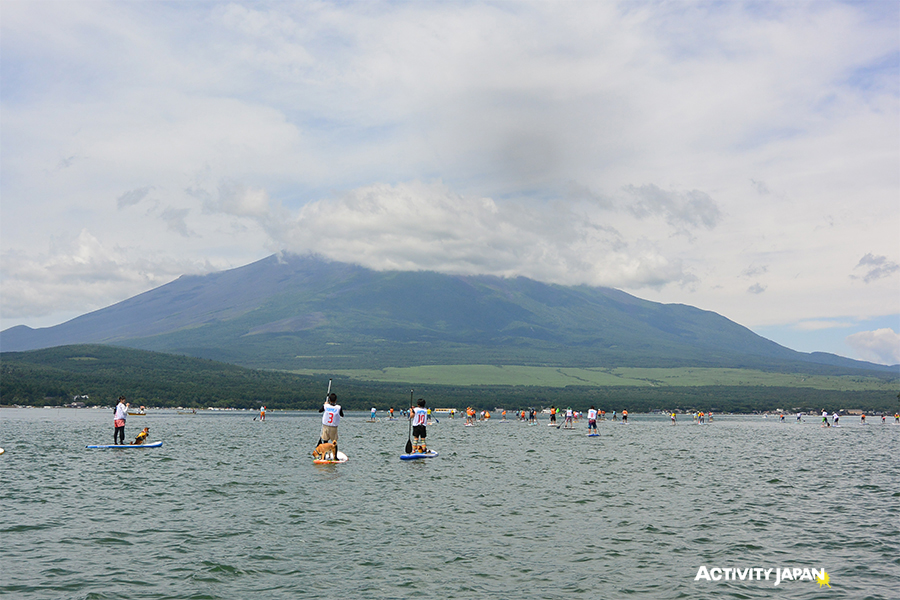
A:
(409, 439)
(327, 395)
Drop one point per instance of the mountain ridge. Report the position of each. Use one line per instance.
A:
(288, 312)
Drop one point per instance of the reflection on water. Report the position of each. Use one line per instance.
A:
(234, 508)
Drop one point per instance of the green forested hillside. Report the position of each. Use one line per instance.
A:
(52, 377)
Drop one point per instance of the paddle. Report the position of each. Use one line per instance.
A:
(409, 439)
(327, 394)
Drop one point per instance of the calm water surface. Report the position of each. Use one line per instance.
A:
(233, 508)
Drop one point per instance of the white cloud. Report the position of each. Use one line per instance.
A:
(418, 226)
(817, 325)
(881, 345)
(661, 148)
(80, 271)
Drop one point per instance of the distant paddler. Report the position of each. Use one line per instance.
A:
(673, 418)
(374, 410)
(262, 413)
(592, 420)
(825, 422)
(624, 416)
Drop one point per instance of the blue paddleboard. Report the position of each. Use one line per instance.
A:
(129, 446)
(593, 435)
(417, 455)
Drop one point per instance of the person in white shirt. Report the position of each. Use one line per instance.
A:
(119, 421)
(592, 420)
(420, 417)
(330, 419)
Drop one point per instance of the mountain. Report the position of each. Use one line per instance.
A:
(292, 312)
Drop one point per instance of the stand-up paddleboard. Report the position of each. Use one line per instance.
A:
(417, 455)
(593, 435)
(469, 425)
(2, 450)
(341, 458)
(128, 446)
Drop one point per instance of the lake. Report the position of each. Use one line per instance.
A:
(231, 507)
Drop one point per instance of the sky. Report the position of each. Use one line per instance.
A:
(740, 157)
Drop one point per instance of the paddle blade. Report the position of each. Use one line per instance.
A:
(409, 446)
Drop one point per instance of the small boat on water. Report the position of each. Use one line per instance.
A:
(137, 412)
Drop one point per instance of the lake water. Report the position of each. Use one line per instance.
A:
(233, 508)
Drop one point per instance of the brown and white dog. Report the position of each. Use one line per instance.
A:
(324, 451)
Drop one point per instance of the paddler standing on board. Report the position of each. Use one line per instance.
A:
(330, 419)
(262, 413)
(592, 420)
(624, 416)
(419, 416)
(119, 421)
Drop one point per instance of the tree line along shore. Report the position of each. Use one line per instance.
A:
(61, 376)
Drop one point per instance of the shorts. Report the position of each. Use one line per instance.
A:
(419, 431)
(119, 423)
(329, 433)
(592, 424)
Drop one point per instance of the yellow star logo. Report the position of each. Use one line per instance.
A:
(823, 580)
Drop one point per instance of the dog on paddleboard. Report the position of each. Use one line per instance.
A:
(325, 451)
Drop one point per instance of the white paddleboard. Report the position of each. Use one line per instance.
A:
(127, 446)
(341, 458)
